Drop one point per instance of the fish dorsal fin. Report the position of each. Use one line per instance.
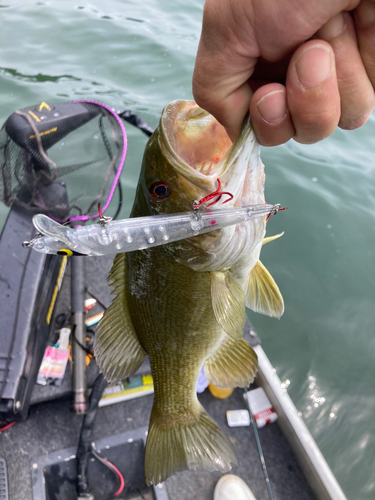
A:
(234, 364)
(117, 349)
(271, 238)
(263, 295)
(228, 303)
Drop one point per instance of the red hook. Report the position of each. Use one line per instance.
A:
(213, 195)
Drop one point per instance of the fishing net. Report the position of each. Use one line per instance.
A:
(62, 159)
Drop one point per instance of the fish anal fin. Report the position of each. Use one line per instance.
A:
(263, 295)
(117, 349)
(228, 303)
(186, 444)
(234, 364)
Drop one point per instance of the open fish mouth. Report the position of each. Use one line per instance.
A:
(195, 136)
(199, 149)
(194, 142)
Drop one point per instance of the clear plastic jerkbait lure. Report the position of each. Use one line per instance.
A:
(127, 235)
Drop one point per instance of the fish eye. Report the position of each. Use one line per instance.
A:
(160, 190)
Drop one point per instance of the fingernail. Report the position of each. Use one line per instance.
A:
(272, 108)
(333, 28)
(314, 66)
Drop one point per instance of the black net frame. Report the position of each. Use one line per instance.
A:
(61, 159)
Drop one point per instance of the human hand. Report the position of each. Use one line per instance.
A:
(300, 67)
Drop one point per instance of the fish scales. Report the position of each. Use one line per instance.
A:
(183, 304)
(178, 301)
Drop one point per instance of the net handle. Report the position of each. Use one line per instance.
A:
(119, 169)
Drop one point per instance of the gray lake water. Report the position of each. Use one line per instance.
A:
(140, 55)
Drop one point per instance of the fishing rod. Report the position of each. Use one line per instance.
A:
(259, 446)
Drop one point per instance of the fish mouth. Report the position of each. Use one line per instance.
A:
(194, 142)
(197, 146)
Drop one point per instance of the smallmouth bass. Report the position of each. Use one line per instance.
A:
(183, 303)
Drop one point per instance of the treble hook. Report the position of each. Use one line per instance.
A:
(198, 204)
(276, 208)
(102, 218)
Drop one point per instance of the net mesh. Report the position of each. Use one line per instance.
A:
(67, 178)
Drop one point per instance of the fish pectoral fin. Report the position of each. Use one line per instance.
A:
(228, 303)
(263, 295)
(117, 349)
(272, 238)
(192, 442)
(234, 364)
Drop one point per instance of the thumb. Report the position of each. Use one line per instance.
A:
(223, 68)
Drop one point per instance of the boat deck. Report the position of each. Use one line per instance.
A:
(51, 427)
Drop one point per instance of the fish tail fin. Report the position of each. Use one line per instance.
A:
(186, 445)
